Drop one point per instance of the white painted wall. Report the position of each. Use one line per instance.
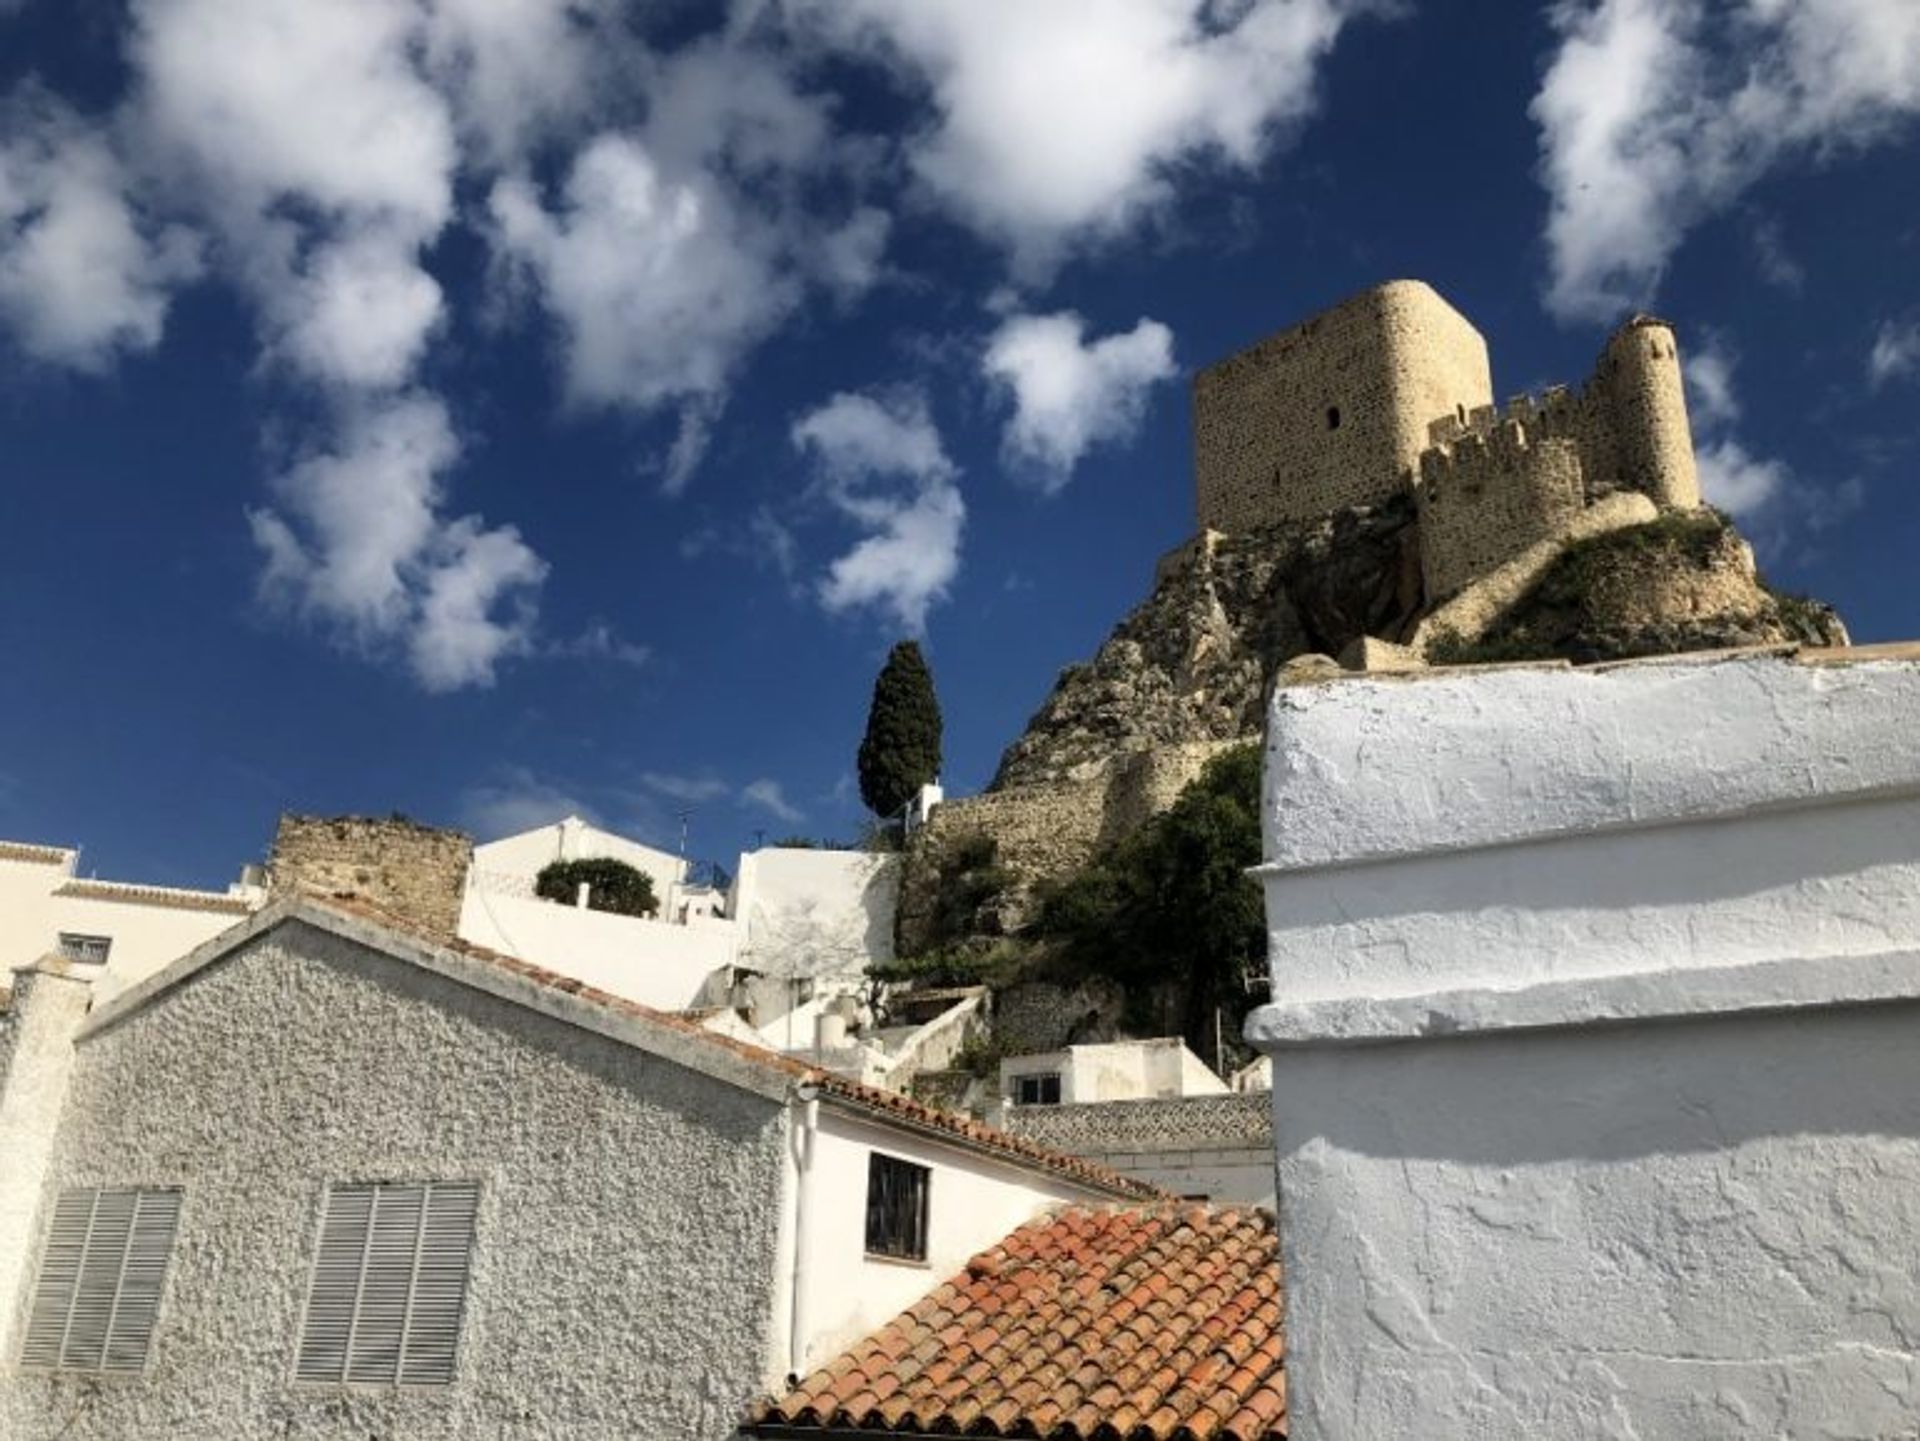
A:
(524, 854)
(1595, 1102)
(1117, 1071)
(649, 961)
(815, 913)
(148, 925)
(26, 908)
(974, 1200)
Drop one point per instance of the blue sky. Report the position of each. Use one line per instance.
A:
(485, 409)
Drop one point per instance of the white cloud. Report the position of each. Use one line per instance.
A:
(690, 790)
(517, 70)
(1709, 381)
(1655, 113)
(518, 800)
(769, 797)
(1055, 127)
(359, 547)
(84, 277)
(885, 469)
(1895, 353)
(1739, 483)
(600, 641)
(657, 284)
(1070, 395)
(360, 313)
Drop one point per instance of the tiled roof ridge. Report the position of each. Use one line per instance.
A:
(35, 854)
(889, 1105)
(141, 894)
(1160, 1321)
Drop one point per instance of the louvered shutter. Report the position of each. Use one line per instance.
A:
(98, 1294)
(389, 1284)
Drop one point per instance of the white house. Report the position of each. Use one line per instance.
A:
(117, 932)
(1596, 1098)
(331, 1177)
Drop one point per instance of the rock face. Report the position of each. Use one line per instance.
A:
(1194, 661)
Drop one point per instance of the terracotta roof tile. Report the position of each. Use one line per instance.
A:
(32, 854)
(167, 897)
(891, 1105)
(1072, 1362)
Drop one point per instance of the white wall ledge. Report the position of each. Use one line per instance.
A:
(1753, 988)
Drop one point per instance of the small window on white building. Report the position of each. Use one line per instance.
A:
(897, 1194)
(85, 948)
(1040, 1089)
(98, 1292)
(389, 1284)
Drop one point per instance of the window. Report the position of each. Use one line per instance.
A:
(1333, 417)
(1037, 1090)
(99, 1287)
(85, 948)
(896, 1208)
(389, 1284)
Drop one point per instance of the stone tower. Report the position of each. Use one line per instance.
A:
(1335, 411)
(1640, 370)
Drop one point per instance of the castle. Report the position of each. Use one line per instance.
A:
(1391, 391)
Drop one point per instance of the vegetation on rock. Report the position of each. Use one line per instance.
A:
(612, 885)
(1173, 903)
(901, 749)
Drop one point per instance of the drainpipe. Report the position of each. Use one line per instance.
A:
(809, 1097)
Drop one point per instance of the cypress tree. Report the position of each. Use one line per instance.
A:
(901, 749)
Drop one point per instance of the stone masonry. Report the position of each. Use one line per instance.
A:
(414, 871)
(1333, 412)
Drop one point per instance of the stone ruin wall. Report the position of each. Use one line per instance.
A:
(415, 871)
(1047, 831)
(1496, 482)
(1333, 412)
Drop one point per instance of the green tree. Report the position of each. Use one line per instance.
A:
(1173, 902)
(612, 885)
(901, 749)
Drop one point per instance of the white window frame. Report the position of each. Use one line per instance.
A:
(103, 1273)
(431, 1263)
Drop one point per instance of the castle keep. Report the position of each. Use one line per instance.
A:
(1391, 391)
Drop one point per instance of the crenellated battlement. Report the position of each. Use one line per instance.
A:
(1391, 391)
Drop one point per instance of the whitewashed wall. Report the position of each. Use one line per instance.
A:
(524, 854)
(815, 912)
(1595, 1101)
(973, 1201)
(1117, 1071)
(652, 962)
(26, 909)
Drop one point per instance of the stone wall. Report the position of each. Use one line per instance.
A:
(1333, 412)
(1488, 497)
(1219, 1147)
(412, 870)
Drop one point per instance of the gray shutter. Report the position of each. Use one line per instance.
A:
(439, 1285)
(59, 1273)
(336, 1283)
(137, 1305)
(389, 1284)
(98, 1294)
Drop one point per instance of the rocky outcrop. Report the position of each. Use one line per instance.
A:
(1194, 661)
(1684, 582)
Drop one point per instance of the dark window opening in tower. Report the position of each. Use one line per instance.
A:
(1333, 417)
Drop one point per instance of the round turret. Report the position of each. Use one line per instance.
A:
(1641, 369)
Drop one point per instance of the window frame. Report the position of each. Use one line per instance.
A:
(1039, 1081)
(163, 1235)
(345, 1379)
(71, 944)
(897, 1180)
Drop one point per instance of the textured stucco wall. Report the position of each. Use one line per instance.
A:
(1594, 1106)
(1389, 361)
(626, 1240)
(1687, 1230)
(1220, 1147)
(36, 1060)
